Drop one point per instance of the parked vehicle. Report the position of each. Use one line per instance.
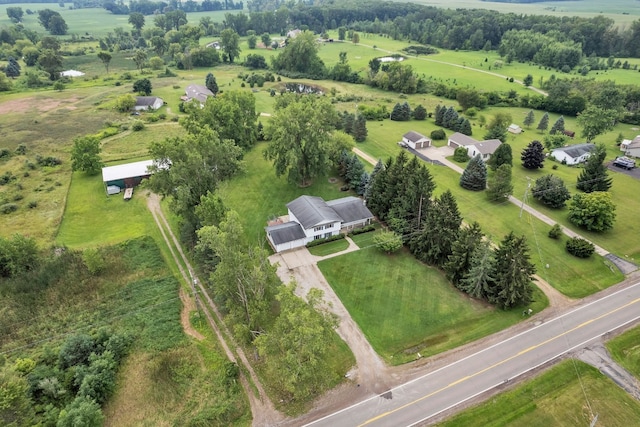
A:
(624, 162)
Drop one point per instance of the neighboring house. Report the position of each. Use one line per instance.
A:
(293, 33)
(311, 218)
(71, 73)
(148, 103)
(625, 144)
(514, 128)
(415, 140)
(128, 175)
(573, 154)
(198, 92)
(633, 148)
(485, 148)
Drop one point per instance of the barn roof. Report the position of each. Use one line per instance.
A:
(312, 211)
(287, 232)
(145, 101)
(128, 170)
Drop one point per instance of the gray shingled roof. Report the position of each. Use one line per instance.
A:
(199, 92)
(635, 142)
(350, 209)
(287, 232)
(462, 139)
(577, 150)
(312, 211)
(488, 147)
(414, 136)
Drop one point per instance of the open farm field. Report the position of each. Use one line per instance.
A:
(569, 394)
(405, 307)
(625, 349)
(622, 11)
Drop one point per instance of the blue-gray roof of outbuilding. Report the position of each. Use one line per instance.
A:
(287, 232)
(577, 150)
(312, 211)
(350, 209)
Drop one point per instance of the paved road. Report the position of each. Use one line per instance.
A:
(421, 399)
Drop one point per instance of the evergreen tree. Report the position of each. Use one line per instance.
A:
(364, 184)
(420, 113)
(479, 279)
(360, 129)
(529, 119)
(558, 126)
(355, 168)
(594, 175)
(474, 176)
(439, 115)
(465, 128)
(406, 111)
(396, 114)
(502, 156)
(211, 84)
(500, 186)
(459, 261)
(348, 121)
(533, 156)
(497, 128)
(374, 173)
(513, 273)
(438, 232)
(450, 118)
(457, 127)
(260, 130)
(13, 68)
(544, 123)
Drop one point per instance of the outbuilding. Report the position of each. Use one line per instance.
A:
(127, 175)
(148, 103)
(514, 128)
(415, 140)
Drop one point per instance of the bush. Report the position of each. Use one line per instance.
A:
(32, 204)
(317, 242)
(461, 155)
(438, 135)
(362, 230)
(7, 208)
(555, 232)
(137, 126)
(580, 248)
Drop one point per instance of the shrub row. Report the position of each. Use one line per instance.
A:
(317, 242)
(362, 230)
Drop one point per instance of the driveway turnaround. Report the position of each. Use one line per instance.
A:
(424, 398)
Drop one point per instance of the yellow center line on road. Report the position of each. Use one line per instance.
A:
(461, 380)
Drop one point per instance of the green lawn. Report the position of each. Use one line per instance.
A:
(92, 218)
(625, 349)
(329, 248)
(134, 145)
(556, 398)
(258, 195)
(405, 307)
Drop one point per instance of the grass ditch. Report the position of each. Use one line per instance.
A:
(625, 349)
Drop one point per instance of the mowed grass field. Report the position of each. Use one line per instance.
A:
(405, 307)
(569, 394)
(625, 349)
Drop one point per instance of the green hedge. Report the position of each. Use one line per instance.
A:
(362, 230)
(325, 240)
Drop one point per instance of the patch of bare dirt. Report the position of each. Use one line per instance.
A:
(42, 105)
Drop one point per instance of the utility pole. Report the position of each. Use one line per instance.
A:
(526, 191)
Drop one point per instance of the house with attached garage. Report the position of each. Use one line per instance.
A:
(573, 154)
(415, 140)
(310, 218)
(198, 92)
(631, 147)
(484, 148)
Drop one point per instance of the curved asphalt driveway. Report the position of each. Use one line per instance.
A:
(424, 398)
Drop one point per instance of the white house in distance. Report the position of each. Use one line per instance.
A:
(311, 218)
(573, 154)
(484, 148)
(514, 128)
(415, 140)
(631, 147)
(148, 103)
(197, 92)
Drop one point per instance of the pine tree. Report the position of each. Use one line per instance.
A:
(513, 273)
(544, 123)
(558, 126)
(529, 119)
(500, 186)
(502, 156)
(260, 131)
(360, 129)
(364, 184)
(420, 113)
(374, 173)
(355, 168)
(13, 68)
(474, 176)
(450, 118)
(211, 84)
(533, 156)
(406, 111)
(457, 126)
(348, 121)
(396, 114)
(465, 128)
(479, 279)
(439, 115)
(594, 176)
(459, 262)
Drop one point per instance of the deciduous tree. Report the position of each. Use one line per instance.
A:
(497, 128)
(551, 191)
(85, 155)
(388, 241)
(596, 121)
(140, 58)
(105, 57)
(300, 133)
(502, 156)
(230, 41)
(593, 211)
(15, 14)
(136, 19)
(142, 86)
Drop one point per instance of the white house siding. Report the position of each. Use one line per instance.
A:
(348, 226)
(322, 231)
(561, 156)
(288, 245)
(633, 152)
